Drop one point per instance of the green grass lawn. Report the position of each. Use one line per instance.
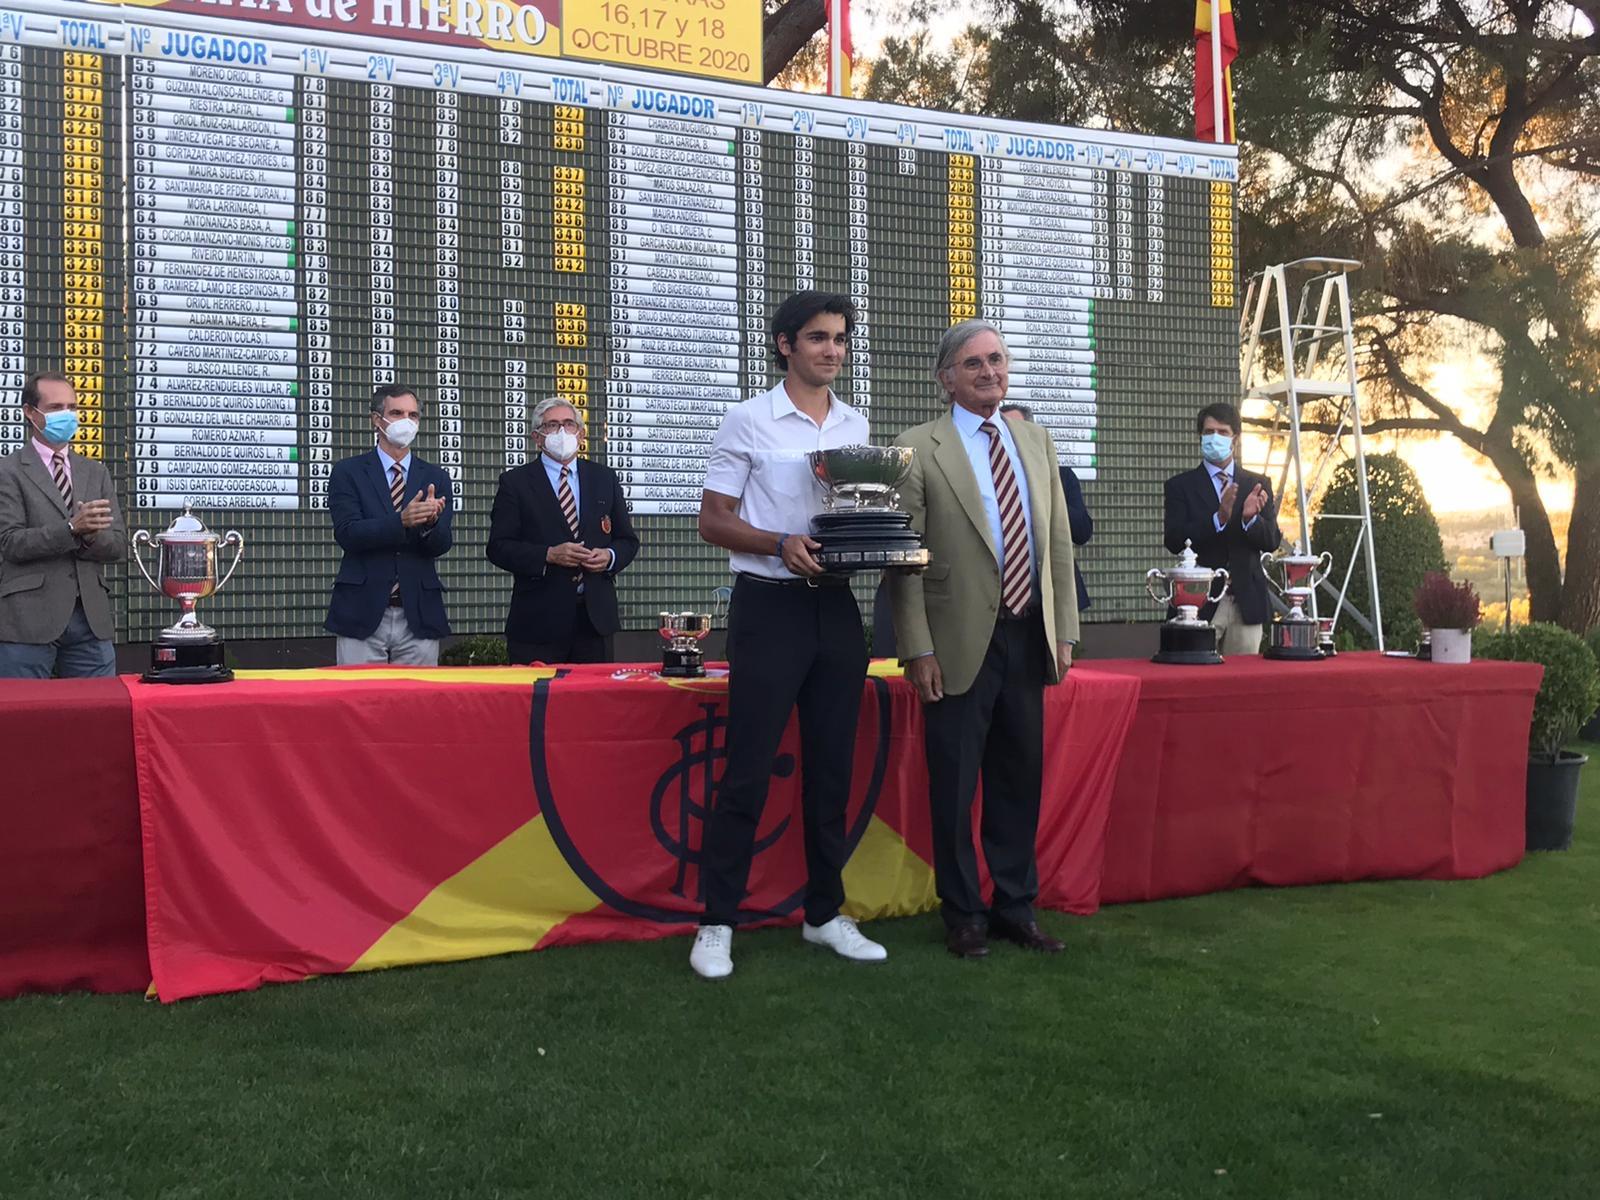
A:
(1378, 1040)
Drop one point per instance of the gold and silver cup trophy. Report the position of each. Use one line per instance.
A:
(186, 570)
(862, 527)
(1186, 638)
(1296, 635)
(683, 632)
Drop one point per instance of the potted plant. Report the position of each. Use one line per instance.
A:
(1450, 611)
(1591, 731)
(1567, 695)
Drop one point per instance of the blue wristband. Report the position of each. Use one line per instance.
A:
(781, 541)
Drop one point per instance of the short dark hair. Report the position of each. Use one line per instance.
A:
(388, 391)
(30, 389)
(1027, 413)
(795, 312)
(1226, 413)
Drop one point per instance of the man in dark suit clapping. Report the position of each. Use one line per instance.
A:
(391, 517)
(1227, 514)
(560, 526)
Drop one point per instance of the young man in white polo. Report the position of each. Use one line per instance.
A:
(794, 633)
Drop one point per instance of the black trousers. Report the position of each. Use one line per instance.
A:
(788, 647)
(585, 644)
(995, 730)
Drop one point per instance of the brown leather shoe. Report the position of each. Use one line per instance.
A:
(1028, 936)
(967, 941)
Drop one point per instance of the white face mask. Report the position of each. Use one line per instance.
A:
(562, 445)
(402, 432)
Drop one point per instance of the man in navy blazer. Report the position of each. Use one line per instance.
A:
(1227, 514)
(560, 526)
(391, 517)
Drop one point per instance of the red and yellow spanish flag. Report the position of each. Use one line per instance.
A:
(318, 822)
(841, 49)
(1213, 69)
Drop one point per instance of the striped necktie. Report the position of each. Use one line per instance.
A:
(397, 494)
(58, 468)
(569, 508)
(1016, 585)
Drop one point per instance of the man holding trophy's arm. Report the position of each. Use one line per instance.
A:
(794, 633)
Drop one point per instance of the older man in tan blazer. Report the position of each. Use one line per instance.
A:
(991, 621)
(59, 525)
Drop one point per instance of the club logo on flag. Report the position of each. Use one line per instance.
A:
(649, 866)
(690, 786)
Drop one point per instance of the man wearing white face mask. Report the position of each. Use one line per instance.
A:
(1227, 514)
(59, 523)
(560, 526)
(391, 517)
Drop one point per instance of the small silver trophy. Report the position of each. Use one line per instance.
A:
(862, 527)
(683, 632)
(186, 567)
(1186, 638)
(1296, 635)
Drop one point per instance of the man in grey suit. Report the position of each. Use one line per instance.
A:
(59, 523)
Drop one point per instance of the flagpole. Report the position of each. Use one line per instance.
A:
(835, 51)
(1216, 71)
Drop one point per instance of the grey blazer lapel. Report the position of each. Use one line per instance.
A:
(951, 458)
(33, 470)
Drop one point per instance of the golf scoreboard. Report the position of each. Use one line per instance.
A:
(229, 220)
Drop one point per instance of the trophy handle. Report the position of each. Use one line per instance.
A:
(231, 538)
(141, 537)
(1150, 578)
(1326, 559)
(1226, 580)
(1266, 569)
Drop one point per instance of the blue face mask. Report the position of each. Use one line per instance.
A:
(1216, 447)
(60, 427)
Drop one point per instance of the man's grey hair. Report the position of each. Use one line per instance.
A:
(545, 406)
(1007, 408)
(958, 335)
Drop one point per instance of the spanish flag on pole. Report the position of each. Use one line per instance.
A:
(1213, 75)
(841, 50)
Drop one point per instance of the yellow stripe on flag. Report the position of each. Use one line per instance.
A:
(886, 878)
(506, 900)
(520, 676)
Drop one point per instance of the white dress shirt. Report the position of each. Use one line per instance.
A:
(976, 443)
(760, 456)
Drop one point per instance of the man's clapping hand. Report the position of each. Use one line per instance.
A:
(90, 517)
(424, 509)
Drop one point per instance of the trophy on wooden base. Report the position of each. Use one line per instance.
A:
(683, 632)
(1186, 638)
(862, 527)
(1296, 635)
(186, 567)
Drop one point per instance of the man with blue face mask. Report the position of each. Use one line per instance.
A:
(1227, 515)
(391, 517)
(59, 525)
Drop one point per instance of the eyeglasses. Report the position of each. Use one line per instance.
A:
(569, 425)
(976, 363)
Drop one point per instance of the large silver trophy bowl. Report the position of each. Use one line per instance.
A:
(861, 526)
(187, 651)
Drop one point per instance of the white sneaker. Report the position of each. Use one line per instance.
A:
(712, 956)
(842, 937)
